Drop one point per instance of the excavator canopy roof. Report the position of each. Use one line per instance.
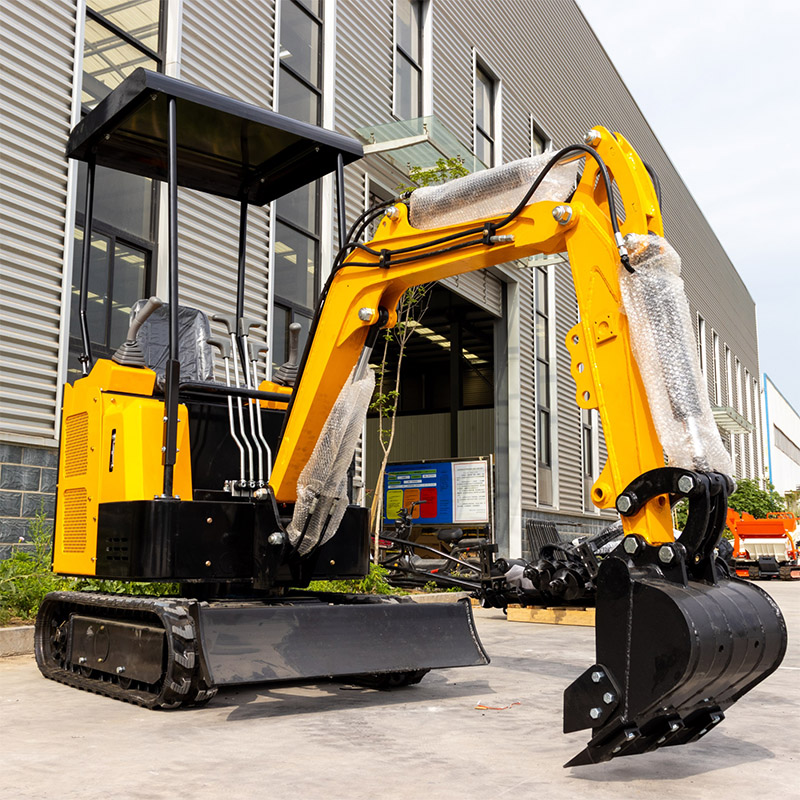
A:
(225, 147)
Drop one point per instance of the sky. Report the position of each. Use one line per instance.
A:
(719, 83)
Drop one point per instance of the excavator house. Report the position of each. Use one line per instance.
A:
(237, 490)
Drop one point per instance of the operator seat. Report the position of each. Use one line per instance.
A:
(194, 351)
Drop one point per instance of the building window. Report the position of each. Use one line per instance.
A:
(544, 420)
(701, 345)
(715, 354)
(300, 80)
(485, 93)
(540, 141)
(408, 59)
(786, 445)
(119, 37)
(297, 215)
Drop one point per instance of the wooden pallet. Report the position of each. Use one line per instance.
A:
(558, 615)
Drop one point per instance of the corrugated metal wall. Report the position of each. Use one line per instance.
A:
(527, 363)
(37, 44)
(570, 471)
(228, 50)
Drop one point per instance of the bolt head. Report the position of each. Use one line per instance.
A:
(630, 544)
(593, 138)
(665, 554)
(597, 676)
(393, 212)
(275, 539)
(630, 735)
(365, 314)
(624, 504)
(120, 670)
(562, 214)
(608, 698)
(686, 483)
(595, 712)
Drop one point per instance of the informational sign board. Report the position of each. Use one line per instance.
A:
(451, 492)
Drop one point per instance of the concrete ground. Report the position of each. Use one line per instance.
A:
(429, 741)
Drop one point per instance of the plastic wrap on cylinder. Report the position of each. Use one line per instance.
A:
(322, 485)
(664, 346)
(489, 193)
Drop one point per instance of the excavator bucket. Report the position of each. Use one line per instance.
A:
(678, 641)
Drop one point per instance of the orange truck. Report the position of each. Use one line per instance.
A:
(764, 548)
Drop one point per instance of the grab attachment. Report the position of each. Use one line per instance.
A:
(678, 640)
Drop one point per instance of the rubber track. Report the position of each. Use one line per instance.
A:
(180, 685)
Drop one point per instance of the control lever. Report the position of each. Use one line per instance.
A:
(129, 353)
(253, 409)
(253, 351)
(230, 324)
(225, 350)
(286, 374)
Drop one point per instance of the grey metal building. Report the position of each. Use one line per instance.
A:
(415, 79)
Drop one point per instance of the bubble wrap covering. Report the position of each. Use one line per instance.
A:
(322, 485)
(664, 346)
(489, 193)
(194, 352)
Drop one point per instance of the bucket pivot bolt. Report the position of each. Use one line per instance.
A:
(666, 554)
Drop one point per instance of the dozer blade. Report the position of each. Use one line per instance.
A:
(673, 653)
(381, 641)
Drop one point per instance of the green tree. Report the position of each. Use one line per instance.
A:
(749, 498)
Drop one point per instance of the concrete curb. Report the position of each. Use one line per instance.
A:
(439, 597)
(16, 641)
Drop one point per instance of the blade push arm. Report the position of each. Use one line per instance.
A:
(362, 291)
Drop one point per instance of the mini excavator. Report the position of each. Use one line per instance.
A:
(238, 491)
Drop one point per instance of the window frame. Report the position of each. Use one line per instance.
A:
(535, 129)
(399, 52)
(480, 68)
(292, 308)
(315, 89)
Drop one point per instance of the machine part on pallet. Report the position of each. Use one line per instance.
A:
(664, 346)
(322, 486)
(490, 192)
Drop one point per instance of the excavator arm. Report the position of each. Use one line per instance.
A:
(363, 294)
(678, 640)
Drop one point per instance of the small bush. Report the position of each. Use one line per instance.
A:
(373, 583)
(26, 577)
